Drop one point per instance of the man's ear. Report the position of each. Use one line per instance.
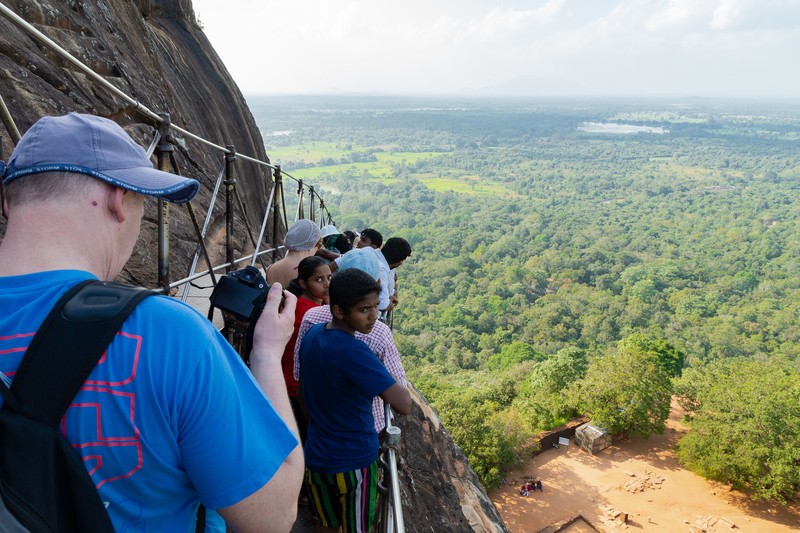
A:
(337, 312)
(115, 198)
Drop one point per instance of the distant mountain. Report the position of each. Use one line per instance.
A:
(531, 86)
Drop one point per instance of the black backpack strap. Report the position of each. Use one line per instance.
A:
(68, 345)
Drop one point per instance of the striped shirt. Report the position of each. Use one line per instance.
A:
(379, 340)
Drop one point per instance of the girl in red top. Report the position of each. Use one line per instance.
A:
(311, 288)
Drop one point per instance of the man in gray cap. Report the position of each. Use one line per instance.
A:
(169, 417)
(302, 240)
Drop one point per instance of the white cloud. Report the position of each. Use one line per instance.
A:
(727, 13)
(679, 15)
(422, 46)
(756, 14)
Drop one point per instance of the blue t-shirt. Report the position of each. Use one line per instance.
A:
(340, 376)
(169, 417)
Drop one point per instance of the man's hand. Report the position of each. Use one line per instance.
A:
(274, 328)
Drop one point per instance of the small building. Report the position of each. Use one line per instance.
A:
(592, 438)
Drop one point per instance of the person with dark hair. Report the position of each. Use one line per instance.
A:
(369, 238)
(379, 340)
(339, 243)
(394, 252)
(340, 376)
(169, 416)
(335, 242)
(311, 288)
(351, 236)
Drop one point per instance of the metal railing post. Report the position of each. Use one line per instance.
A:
(278, 187)
(393, 434)
(283, 202)
(311, 201)
(163, 151)
(391, 507)
(300, 193)
(321, 212)
(8, 120)
(230, 184)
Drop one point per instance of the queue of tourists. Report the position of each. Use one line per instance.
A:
(170, 421)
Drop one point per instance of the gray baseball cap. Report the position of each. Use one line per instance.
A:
(302, 235)
(98, 147)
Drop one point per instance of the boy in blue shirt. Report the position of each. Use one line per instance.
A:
(340, 376)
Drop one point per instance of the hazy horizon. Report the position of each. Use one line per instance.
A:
(670, 48)
(524, 97)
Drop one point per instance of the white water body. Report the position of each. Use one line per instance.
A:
(622, 129)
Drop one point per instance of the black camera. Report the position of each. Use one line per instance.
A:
(241, 293)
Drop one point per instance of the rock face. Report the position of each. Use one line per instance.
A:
(440, 491)
(155, 52)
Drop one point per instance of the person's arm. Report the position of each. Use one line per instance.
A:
(327, 254)
(386, 350)
(273, 507)
(398, 397)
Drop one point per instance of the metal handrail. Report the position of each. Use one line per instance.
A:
(198, 275)
(392, 510)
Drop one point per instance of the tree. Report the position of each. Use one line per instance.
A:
(669, 358)
(542, 398)
(745, 420)
(512, 354)
(627, 391)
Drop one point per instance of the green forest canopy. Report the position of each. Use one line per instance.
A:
(559, 272)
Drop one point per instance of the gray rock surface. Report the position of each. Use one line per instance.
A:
(440, 491)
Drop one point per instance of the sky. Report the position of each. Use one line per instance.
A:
(462, 47)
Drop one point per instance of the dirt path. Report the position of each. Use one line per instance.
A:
(639, 477)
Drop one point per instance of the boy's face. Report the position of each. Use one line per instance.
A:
(364, 242)
(363, 315)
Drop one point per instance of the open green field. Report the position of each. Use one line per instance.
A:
(667, 167)
(466, 185)
(313, 173)
(310, 152)
(313, 152)
(380, 169)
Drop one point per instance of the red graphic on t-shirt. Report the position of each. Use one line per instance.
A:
(100, 422)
